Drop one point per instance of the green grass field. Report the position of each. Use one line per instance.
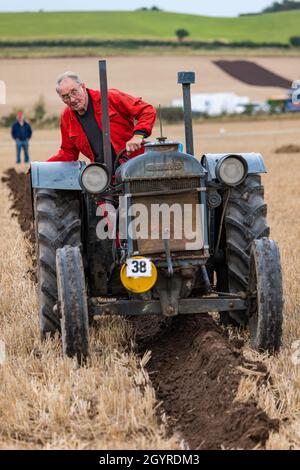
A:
(276, 27)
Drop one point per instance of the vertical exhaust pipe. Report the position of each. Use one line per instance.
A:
(186, 79)
(105, 116)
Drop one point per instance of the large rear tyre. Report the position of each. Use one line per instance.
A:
(57, 223)
(265, 287)
(245, 221)
(72, 300)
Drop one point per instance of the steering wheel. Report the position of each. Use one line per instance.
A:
(122, 155)
(118, 158)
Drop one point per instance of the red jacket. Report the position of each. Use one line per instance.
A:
(127, 115)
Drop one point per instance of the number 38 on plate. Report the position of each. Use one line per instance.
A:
(138, 267)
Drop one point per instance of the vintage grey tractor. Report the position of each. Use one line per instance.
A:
(165, 233)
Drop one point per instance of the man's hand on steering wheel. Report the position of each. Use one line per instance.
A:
(134, 143)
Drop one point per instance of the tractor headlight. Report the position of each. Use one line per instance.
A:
(94, 178)
(232, 170)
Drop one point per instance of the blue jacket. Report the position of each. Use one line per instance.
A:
(21, 132)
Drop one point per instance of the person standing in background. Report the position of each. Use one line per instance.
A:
(21, 132)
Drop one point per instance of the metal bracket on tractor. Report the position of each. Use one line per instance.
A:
(153, 307)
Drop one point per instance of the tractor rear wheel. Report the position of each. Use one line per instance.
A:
(57, 223)
(265, 288)
(245, 221)
(72, 301)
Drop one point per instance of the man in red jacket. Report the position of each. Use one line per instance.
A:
(131, 120)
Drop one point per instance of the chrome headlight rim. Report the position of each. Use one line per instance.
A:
(221, 162)
(88, 168)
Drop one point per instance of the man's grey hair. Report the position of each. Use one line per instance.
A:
(71, 75)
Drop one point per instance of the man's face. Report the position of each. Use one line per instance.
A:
(74, 95)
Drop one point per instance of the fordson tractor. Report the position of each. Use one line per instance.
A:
(165, 233)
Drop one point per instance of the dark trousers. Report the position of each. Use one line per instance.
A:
(19, 145)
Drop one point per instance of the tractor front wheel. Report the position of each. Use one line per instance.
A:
(72, 300)
(266, 301)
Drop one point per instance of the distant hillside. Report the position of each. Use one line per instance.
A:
(286, 5)
(277, 7)
(275, 27)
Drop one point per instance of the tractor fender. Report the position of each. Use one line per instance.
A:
(56, 175)
(255, 163)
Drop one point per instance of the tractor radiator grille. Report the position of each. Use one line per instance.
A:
(182, 216)
(163, 184)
